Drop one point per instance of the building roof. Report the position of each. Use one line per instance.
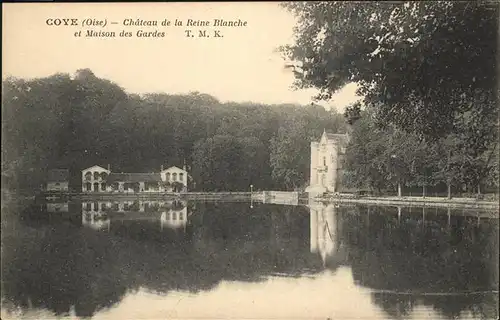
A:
(133, 177)
(96, 167)
(339, 138)
(173, 168)
(58, 175)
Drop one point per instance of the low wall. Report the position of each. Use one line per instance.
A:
(158, 195)
(416, 201)
(280, 197)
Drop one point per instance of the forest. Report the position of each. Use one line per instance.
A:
(428, 75)
(65, 121)
(76, 121)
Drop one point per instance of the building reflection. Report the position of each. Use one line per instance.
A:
(422, 251)
(53, 207)
(174, 219)
(324, 234)
(90, 271)
(99, 215)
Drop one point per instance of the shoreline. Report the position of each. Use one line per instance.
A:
(471, 203)
(257, 197)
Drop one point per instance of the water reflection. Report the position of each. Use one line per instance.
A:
(99, 215)
(393, 262)
(325, 230)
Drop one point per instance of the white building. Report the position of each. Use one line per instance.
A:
(99, 179)
(326, 163)
(94, 179)
(174, 175)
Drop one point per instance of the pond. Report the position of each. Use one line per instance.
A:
(213, 260)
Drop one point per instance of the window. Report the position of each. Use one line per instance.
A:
(57, 184)
(103, 186)
(174, 216)
(104, 175)
(168, 176)
(181, 216)
(88, 206)
(181, 176)
(88, 176)
(324, 161)
(96, 175)
(174, 176)
(96, 187)
(88, 186)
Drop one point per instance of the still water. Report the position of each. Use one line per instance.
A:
(168, 260)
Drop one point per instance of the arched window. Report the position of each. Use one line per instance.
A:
(103, 187)
(104, 176)
(96, 187)
(174, 176)
(88, 186)
(181, 176)
(168, 176)
(88, 176)
(96, 175)
(174, 216)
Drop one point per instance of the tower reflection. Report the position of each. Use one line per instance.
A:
(324, 233)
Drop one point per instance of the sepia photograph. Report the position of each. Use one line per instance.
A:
(322, 160)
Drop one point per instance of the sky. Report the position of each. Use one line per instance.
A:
(241, 66)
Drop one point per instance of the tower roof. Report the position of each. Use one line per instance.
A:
(337, 138)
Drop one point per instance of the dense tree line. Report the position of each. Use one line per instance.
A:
(74, 122)
(429, 117)
(428, 74)
(390, 160)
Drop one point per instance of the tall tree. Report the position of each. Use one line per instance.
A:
(421, 63)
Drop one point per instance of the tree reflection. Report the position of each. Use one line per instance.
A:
(60, 266)
(420, 253)
(65, 265)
